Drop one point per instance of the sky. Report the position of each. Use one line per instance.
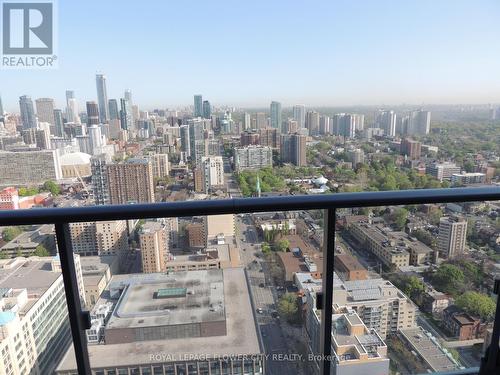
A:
(248, 53)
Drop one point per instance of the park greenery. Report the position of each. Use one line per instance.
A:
(457, 276)
(48, 186)
(41, 251)
(288, 307)
(269, 181)
(10, 233)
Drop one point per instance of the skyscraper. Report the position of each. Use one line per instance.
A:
(452, 236)
(92, 113)
(72, 107)
(45, 110)
(312, 122)
(131, 182)
(299, 114)
(386, 120)
(198, 106)
(126, 114)
(95, 139)
(128, 95)
(102, 97)
(247, 124)
(58, 123)
(419, 123)
(114, 113)
(276, 115)
(28, 117)
(99, 180)
(207, 109)
(293, 149)
(260, 120)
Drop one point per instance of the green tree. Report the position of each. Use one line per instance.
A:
(282, 245)
(449, 279)
(288, 307)
(52, 187)
(399, 217)
(3, 255)
(477, 304)
(41, 251)
(425, 237)
(265, 248)
(10, 233)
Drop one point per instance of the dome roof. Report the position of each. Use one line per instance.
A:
(75, 158)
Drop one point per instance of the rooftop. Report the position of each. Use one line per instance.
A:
(239, 321)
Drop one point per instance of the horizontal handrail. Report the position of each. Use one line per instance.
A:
(246, 205)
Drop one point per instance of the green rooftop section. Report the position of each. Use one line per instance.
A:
(171, 292)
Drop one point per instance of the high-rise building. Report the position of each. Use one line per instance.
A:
(269, 137)
(324, 125)
(419, 123)
(58, 123)
(100, 238)
(153, 240)
(128, 95)
(29, 167)
(207, 109)
(96, 140)
(185, 140)
(312, 122)
(252, 157)
(72, 107)
(126, 115)
(160, 164)
(45, 110)
(210, 174)
(356, 156)
(276, 115)
(28, 117)
(291, 126)
(114, 113)
(249, 137)
(99, 180)
(260, 120)
(34, 329)
(299, 115)
(42, 138)
(131, 182)
(293, 149)
(92, 113)
(247, 123)
(197, 147)
(410, 148)
(198, 106)
(386, 120)
(452, 236)
(102, 97)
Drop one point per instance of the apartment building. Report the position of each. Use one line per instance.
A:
(99, 238)
(252, 157)
(29, 167)
(130, 182)
(34, 325)
(154, 247)
(356, 348)
(452, 236)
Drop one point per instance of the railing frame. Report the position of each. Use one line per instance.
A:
(61, 217)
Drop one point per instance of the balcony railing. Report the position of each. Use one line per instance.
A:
(79, 319)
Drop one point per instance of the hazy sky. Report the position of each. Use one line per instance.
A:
(248, 53)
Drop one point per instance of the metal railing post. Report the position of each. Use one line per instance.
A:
(77, 317)
(490, 363)
(326, 311)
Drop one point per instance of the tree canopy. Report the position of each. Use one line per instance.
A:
(477, 304)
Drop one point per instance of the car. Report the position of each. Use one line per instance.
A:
(262, 285)
(260, 310)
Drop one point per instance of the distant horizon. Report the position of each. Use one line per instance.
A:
(245, 55)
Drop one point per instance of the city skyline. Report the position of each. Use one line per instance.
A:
(397, 53)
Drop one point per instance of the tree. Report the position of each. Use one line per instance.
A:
(399, 217)
(425, 237)
(10, 233)
(477, 304)
(449, 279)
(52, 187)
(265, 247)
(41, 251)
(3, 255)
(287, 306)
(282, 245)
